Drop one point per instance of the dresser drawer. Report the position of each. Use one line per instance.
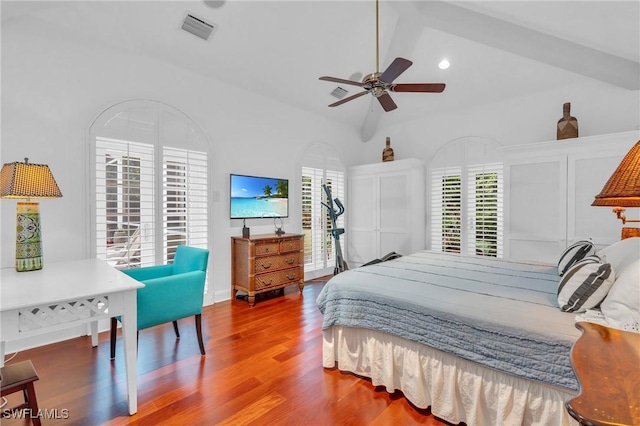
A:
(277, 279)
(291, 245)
(274, 263)
(267, 249)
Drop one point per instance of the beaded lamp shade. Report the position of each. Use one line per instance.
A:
(26, 180)
(623, 187)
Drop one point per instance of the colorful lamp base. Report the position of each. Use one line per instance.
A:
(28, 237)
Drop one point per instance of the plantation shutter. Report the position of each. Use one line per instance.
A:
(485, 211)
(319, 252)
(312, 217)
(124, 197)
(184, 193)
(335, 180)
(446, 209)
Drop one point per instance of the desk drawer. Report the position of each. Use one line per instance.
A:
(277, 279)
(274, 263)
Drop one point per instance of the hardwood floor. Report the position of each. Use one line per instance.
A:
(263, 367)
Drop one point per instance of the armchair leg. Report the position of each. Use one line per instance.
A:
(199, 332)
(175, 328)
(114, 328)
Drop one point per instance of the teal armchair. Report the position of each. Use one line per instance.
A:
(171, 292)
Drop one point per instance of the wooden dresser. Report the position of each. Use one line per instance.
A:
(267, 262)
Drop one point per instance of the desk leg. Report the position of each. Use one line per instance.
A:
(129, 331)
(94, 333)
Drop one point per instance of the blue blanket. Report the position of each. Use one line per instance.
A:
(500, 314)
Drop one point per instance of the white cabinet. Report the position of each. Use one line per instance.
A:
(549, 191)
(385, 210)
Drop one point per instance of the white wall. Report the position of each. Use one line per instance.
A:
(600, 108)
(53, 86)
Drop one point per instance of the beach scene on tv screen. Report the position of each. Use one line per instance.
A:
(258, 197)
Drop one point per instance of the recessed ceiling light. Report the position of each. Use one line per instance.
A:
(444, 64)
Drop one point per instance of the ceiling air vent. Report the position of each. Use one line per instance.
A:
(339, 92)
(197, 27)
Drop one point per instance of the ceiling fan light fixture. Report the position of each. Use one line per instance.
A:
(444, 64)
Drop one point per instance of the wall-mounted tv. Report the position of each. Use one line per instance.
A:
(258, 197)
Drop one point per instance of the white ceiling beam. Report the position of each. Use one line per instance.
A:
(503, 35)
(541, 47)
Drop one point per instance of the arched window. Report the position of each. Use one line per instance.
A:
(320, 165)
(148, 183)
(466, 198)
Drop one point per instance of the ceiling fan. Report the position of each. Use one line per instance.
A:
(380, 84)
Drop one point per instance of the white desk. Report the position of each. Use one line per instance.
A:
(65, 294)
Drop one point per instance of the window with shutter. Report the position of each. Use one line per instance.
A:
(184, 199)
(466, 202)
(485, 211)
(320, 166)
(319, 250)
(149, 184)
(124, 202)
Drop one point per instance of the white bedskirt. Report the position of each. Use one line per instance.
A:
(457, 390)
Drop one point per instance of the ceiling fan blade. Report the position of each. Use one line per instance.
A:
(418, 87)
(397, 67)
(340, 80)
(350, 98)
(386, 102)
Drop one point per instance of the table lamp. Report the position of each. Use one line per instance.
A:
(26, 181)
(623, 190)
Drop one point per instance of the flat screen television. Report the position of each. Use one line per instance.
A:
(258, 197)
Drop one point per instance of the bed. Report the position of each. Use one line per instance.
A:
(478, 340)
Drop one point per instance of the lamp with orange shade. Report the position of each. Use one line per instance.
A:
(623, 190)
(26, 181)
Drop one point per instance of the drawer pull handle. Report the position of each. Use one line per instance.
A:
(291, 277)
(267, 283)
(291, 261)
(290, 245)
(266, 266)
(266, 249)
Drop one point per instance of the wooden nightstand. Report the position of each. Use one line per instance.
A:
(607, 364)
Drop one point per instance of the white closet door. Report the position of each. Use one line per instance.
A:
(393, 220)
(363, 201)
(537, 206)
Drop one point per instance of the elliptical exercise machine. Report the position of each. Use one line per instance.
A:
(341, 264)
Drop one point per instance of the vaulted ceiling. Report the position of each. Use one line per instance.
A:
(278, 49)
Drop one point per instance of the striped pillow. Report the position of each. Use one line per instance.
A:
(574, 253)
(585, 285)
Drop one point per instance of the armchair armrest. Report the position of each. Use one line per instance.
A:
(170, 298)
(149, 272)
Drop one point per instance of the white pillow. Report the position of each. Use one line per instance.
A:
(621, 307)
(585, 285)
(575, 252)
(622, 253)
